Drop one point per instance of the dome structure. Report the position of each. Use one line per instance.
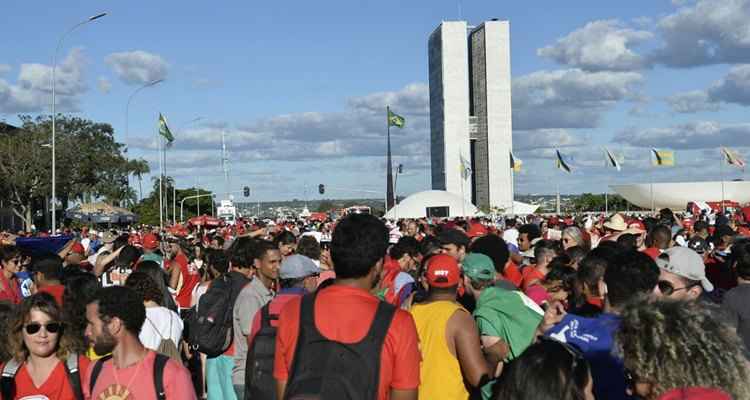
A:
(439, 203)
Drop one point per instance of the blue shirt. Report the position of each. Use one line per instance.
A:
(595, 338)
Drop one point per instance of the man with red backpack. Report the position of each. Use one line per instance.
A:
(402, 257)
(298, 276)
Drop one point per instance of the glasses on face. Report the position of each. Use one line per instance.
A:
(33, 328)
(666, 288)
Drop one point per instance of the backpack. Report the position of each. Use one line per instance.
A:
(167, 346)
(326, 369)
(259, 380)
(387, 287)
(7, 382)
(210, 325)
(160, 361)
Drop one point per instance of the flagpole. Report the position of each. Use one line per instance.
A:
(721, 173)
(651, 176)
(557, 182)
(161, 176)
(512, 185)
(463, 181)
(389, 173)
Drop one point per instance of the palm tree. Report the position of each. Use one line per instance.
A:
(138, 168)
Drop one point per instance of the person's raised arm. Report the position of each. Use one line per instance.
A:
(103, 260)
(475, 368)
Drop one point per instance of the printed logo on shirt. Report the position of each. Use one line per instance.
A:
(571, 330)
(35, 397)
(116, 391)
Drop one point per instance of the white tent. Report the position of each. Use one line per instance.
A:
(438, 202)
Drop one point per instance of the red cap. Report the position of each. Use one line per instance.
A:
(77, 248)
(476, 230)
(150, 241)
(442, 271)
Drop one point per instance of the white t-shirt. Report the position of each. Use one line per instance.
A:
(167, 322)
(511, 235)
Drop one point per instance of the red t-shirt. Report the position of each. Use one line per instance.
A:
(344, 314)
(9, 290)
(56, 291)
(512, 273)
(190, 278)
(530, 275)
(652, 252)
(137, 381)
(274, 308)
(56, 387)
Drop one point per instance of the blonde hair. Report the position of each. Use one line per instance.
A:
(678, 344)
(45, 303)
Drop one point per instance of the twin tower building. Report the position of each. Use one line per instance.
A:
(470, 112)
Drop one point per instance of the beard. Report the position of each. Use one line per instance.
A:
(104, 343)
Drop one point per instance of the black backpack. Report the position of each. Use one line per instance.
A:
(259, 381)
(326, 369)
(7, 382)
(160, 361)
(210, 326)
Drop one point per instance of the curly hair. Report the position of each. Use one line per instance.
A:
(123, 303)
(309, 246)
(677, 344)
(79, 288)
(7, 312)
(47, 304)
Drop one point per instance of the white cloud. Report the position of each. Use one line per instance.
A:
(569, 98)
(544, 139)
(104, 85)
(412, 99)
(599, 45)
(691, 102)
(707, 32)
(693, 135)
(32, 91)
(734, 87)
(138, 67)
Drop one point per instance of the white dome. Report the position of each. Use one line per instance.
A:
(677, 195)
(416, 205)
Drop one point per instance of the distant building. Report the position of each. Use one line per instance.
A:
(470, 111)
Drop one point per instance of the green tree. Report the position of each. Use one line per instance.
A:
(325, 206)
(138, 168)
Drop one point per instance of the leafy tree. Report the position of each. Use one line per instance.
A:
(138, 168)
(325, 206)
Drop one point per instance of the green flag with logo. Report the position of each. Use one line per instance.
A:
(164, 130)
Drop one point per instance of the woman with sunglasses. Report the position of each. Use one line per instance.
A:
(10, 261)
(43, 362)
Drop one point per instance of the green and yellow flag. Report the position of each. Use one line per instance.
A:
(164, 130)
(395, 120)
(515, 163)
(663, 158)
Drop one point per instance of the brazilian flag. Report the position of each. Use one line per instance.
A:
(395, 120)
(164, 130)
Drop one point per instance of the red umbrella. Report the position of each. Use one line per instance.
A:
(205, 220)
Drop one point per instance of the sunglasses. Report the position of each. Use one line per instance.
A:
(34, 327)
(666, 288)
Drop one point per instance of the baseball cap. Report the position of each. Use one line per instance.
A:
(108, 237)
(476, 230)
(297, 266)
(442, 271)
(150, 241)
(478, 267)
(77, 248)
(686, 263)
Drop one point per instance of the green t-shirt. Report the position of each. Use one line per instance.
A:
(509, 315)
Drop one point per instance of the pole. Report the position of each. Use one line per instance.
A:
(512, 188)
(389, 174)
(197, 192)
(174, 203)
(721, 172)
(606, 203)
(161, 177)
(651, 176)
(54, 115)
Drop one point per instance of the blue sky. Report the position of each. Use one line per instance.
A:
(300, 88)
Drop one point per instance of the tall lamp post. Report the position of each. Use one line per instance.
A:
(54, 112)
(127, 117)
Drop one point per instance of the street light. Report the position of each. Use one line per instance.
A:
(54, 112)
(127, 118)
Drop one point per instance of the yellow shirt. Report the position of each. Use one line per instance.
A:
(440, 372)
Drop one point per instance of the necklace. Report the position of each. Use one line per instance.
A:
(132, 378)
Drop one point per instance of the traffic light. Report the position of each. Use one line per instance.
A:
(401, 168)
(246, 191)
(321, 188)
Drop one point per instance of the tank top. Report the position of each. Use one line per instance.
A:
(440, 372)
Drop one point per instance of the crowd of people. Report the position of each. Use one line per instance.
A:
(534, 307)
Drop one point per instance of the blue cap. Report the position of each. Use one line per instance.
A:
(298, 266)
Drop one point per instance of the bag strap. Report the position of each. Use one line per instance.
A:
(160, 361)
(7, 384)
(74, 375)
(265, 318)
(96, 370)
(157, 329)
